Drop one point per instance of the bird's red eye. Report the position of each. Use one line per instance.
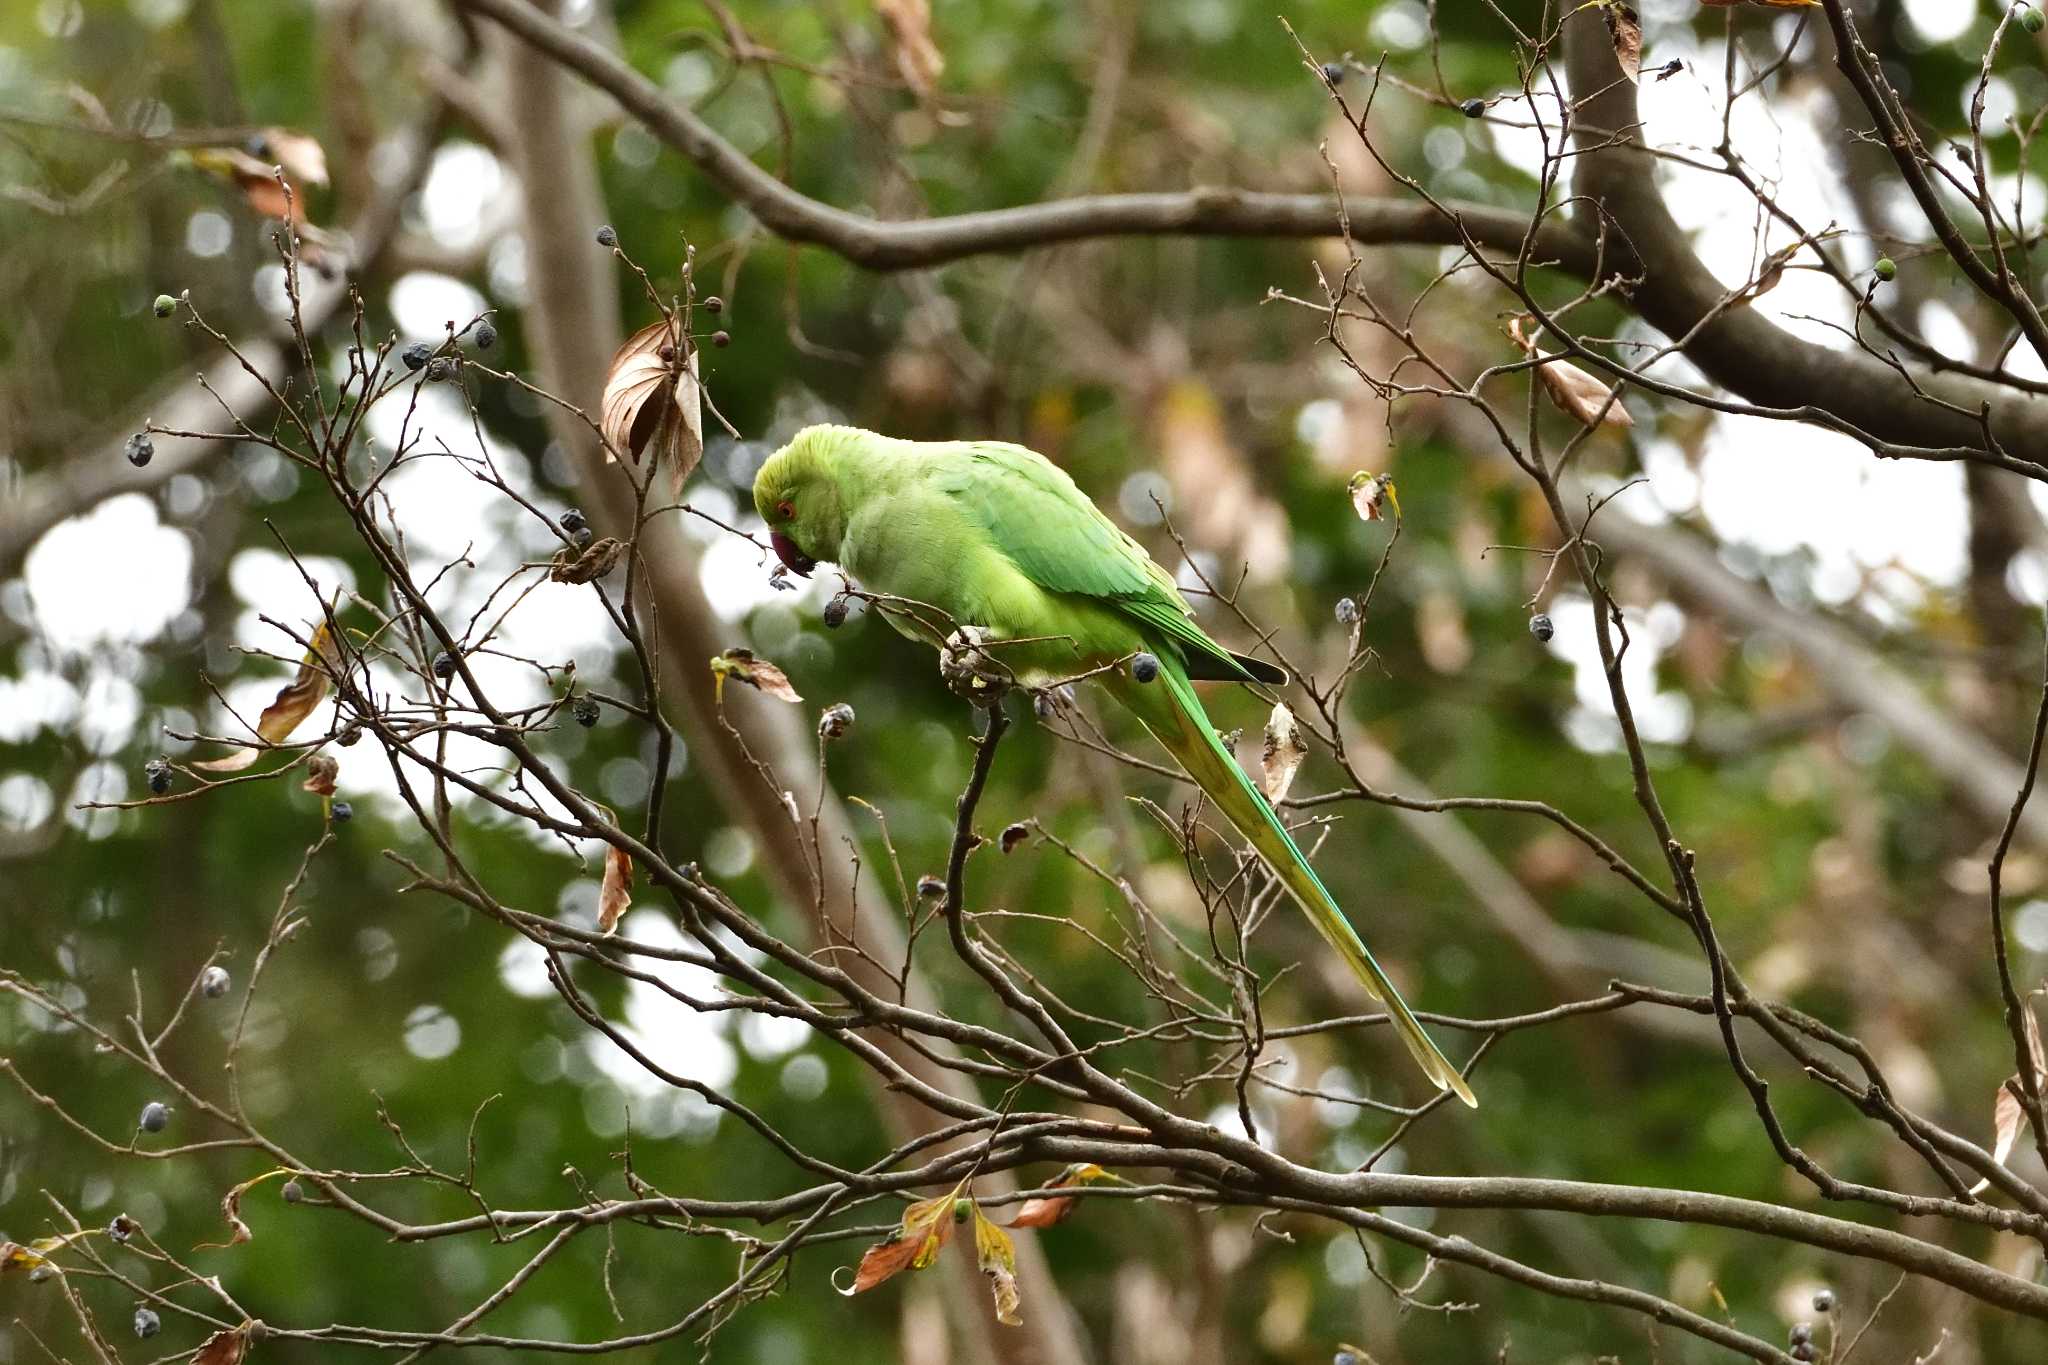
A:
(784, 510)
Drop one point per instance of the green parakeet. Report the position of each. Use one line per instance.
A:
(998, 537)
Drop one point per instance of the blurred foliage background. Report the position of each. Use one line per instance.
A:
(1842, 873)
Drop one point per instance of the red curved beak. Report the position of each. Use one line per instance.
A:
(795, 560)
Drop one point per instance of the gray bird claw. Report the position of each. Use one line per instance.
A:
(970, 670)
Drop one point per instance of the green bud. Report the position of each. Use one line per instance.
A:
(1886, 268)
(2031, 20)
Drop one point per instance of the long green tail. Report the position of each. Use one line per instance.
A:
(1173, 713)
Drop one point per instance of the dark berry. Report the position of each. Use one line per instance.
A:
(606, 237)
(140, 450)
(147, 1323)
(1473, 108)
(930, 887)
(721, 339)
(437, 369)
(1347, 610)
(585, 711)
(157, 772)
(214, 982)
(582, 536)
(1333, 73)
(1801, 1332)
(348, 738)
(714, 305)
(1802, 1351)
(1886, 268)
(292, 1191)
(486, 336)
(417, 355)
(122, 1228)
(1542, 627)
(836, 721)
(341, 812)
(1824, 1301)
(156, 1115)
(1014, 835)
(835, 613)
(1145, 667)
(164, 306)
(1044, 705)
(444, 666)
(572, 520)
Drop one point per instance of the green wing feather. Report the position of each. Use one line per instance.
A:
(1062, 542)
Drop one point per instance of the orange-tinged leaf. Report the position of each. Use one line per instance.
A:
(1044, 1210)
(755, 672)
(301, 156)
(1626, 32)
(651, 395)
(998, 1258)
(1281, 757)
(294, 702)
(927, 1225)
(15, 1256)
(910, 34)
(225, 1347)
(617, 891)
(321, 770)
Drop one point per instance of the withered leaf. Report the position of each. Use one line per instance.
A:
(231, 1209)
(1371, 494)
(754, 671)
(321, 770)
(2009, 1110)
(1626, 32)
(651, 394)
(998, 1258)
(1281, 757)
(927, 1225)
(616, 893)
(1575, 392)
(256, 179)
(225, 1347)
(572, 566)
(918, 58)
(15, 1256)
(1042, 1211)
(302, 157)
(294, 702)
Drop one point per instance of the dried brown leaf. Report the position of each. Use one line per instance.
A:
(1575, 392)
(594, 562)
(1281, 757)
(294, 702)
(998, 1259)
(225, 1347)
(910, 35)
(321, 770)
(1042, 1211)
(652, 396)
(2009, 1111)
(231, 1209)
(617, 891)
(927, 1225)
(754, 671)
(1626, 32)
(301, 156)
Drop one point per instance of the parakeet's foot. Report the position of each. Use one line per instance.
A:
(970, 670)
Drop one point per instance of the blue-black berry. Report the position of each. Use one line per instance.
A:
(1145, 667)
(437, 369)
(417, 355)
(147, 1323)
(1824, 1301)
(721, 339)
(140, 450)
(214, 982)
(835, 613)
(156, 1116)
(164, 306)
(293, 1192)
(572, 520)
(930, 887)
(582, 536)
(836, 721)
(585, 711)
(714, 305)
(1801, 1332)
(1333, 72)
(122, 1228)
(157, 772)
(341, 812)
(606, 237)
(444, 666)
(1347, 610)
(1542, 627)
(1802, 1351)
(486, 336)
(1472, 108)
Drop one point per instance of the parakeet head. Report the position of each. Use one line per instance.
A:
(798, 494)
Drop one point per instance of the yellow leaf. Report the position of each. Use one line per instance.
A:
(294, 702)
(927, 1225)
(998, 1258)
